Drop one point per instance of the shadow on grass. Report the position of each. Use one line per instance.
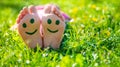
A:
(64, 49)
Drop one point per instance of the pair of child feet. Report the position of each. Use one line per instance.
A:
(42, 25)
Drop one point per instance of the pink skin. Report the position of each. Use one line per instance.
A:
(47, 9)
(53, 32)
(53, 9)
(42, 36)
(29, 27)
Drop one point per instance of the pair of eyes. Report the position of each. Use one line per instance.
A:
(25, 25)
(49, 21)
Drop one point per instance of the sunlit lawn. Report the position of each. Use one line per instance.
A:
(91, 39)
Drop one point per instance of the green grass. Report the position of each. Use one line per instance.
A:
(91, 40)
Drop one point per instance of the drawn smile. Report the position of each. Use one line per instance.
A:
(52, 31)
(31, 33)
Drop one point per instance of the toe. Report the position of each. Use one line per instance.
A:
(47, 8)
(57, 12)
(23, 12)
(31, 9)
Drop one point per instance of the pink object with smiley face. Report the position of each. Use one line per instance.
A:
(53, 29)
(42, 25)
(29, 29)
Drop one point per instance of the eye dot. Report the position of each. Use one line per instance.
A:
(32, 21)
(24, 25)
(49, 21)
(57, 22)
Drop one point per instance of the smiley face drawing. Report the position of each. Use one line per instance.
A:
(31, 22)
(49, 21)
(53, 29)
(29, 28)
(41, 25)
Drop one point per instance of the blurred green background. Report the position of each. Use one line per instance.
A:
(91, 39)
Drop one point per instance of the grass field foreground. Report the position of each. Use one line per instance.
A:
(92, 39)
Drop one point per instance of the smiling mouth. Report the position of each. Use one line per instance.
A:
(52, 31)
(31, 33)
